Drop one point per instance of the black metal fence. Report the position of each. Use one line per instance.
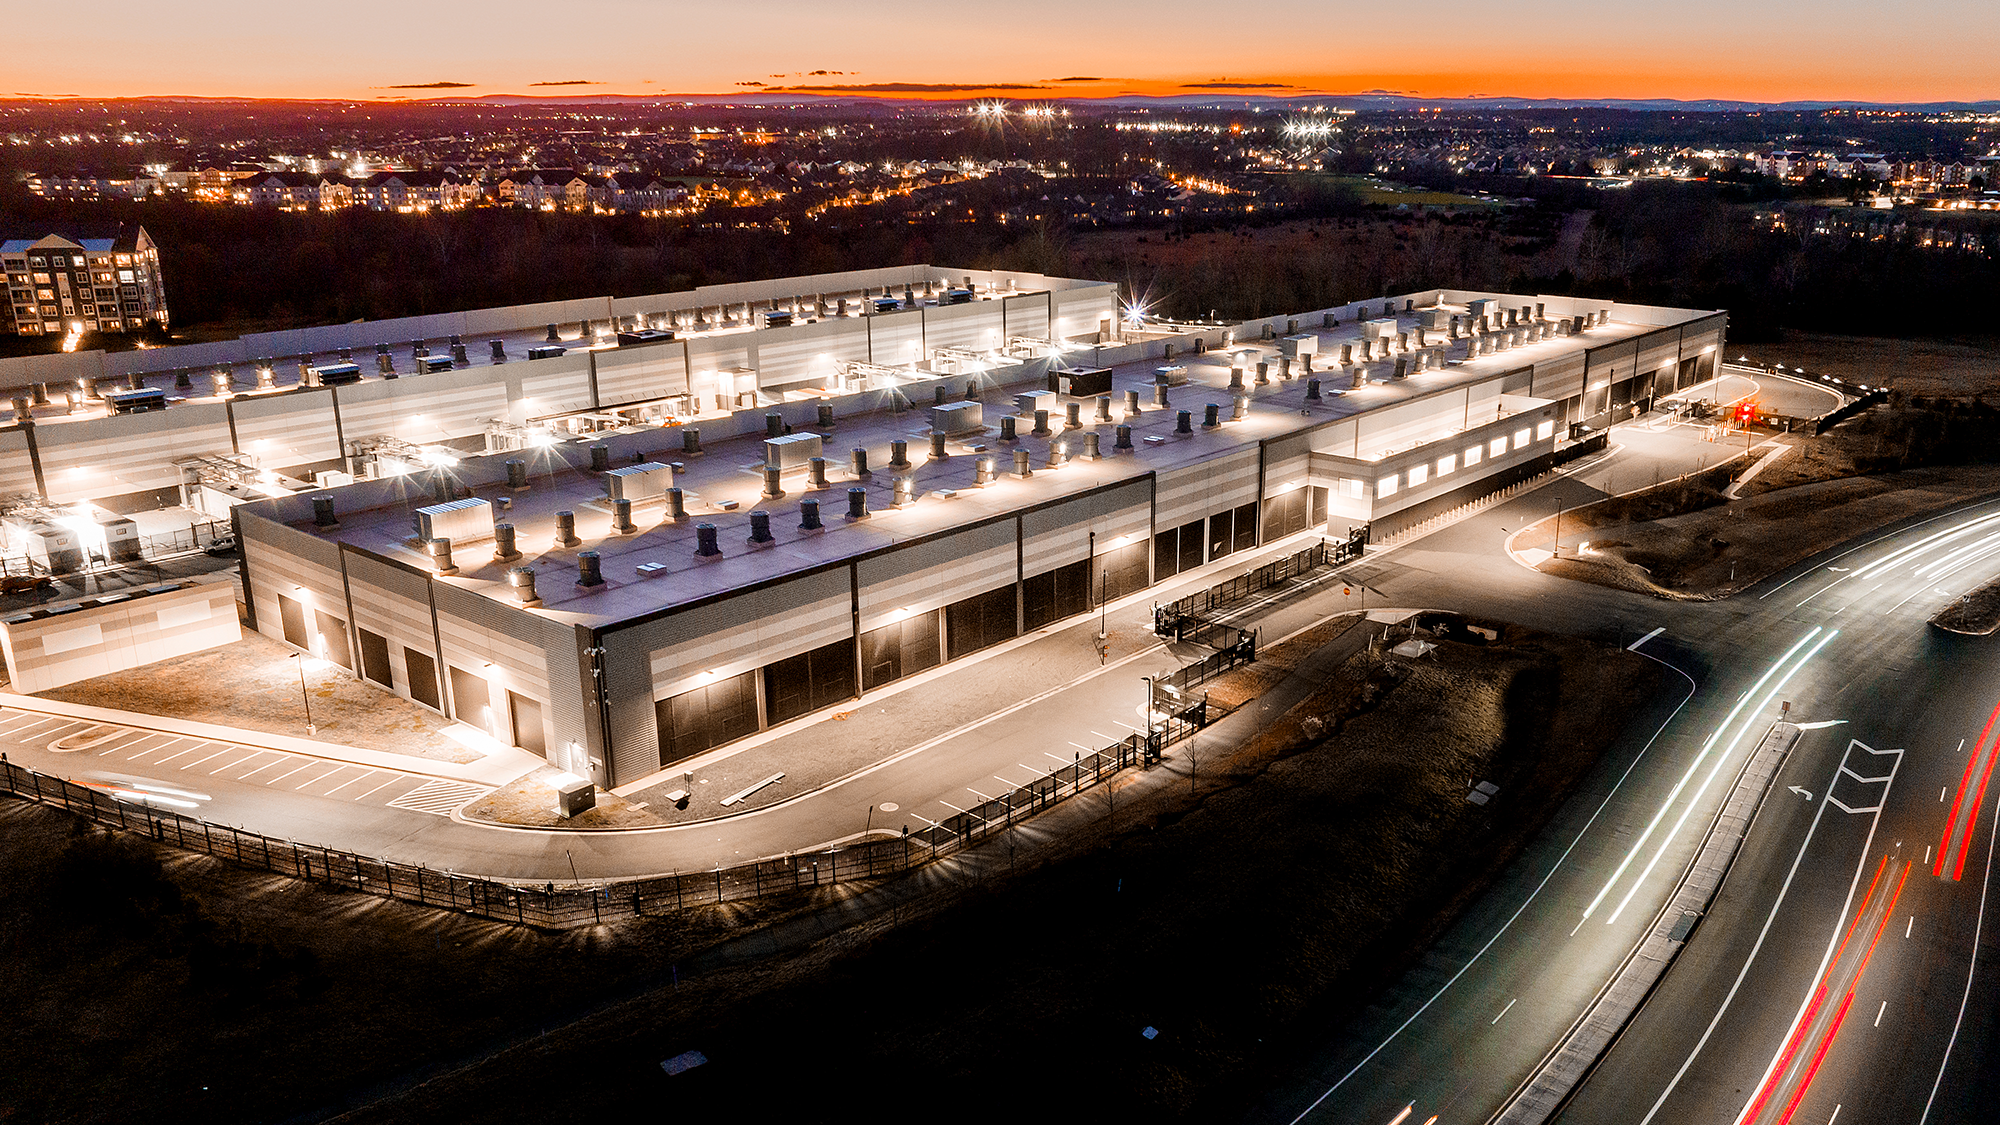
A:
(1176, 617)
(550, 906)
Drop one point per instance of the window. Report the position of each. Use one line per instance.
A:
(1351, 487)
(1418, 474)
(1520, 439)
(1447, 464)
(1544, 431)
(43, 279)
(1472, 455)
(1385, 486)
(126, 276)
(1497, 447)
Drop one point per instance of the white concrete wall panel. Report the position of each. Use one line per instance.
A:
(552, 386)
(52, 651)
(1609, 364)
(1287, 460)
(1660, 351)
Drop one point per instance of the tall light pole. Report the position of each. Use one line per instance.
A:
(304, 695)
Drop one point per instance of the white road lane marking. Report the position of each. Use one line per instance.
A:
(1505, 1010)
(1879, 1011)
(1909, 925)
(1634, 646)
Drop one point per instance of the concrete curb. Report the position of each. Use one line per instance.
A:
(1563, 1070)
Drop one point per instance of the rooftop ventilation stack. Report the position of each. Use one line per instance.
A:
(522, 578)
(589, 569)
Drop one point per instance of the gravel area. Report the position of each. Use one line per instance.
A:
(254, 684)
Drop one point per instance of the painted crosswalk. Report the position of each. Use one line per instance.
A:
(440, 797)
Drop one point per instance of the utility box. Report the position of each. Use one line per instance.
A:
(574, 796)
(546, 351)
(461, 521)
(1028, 402)
(1436, 318)
(1304, 343)
(1084, 383)
(958, 418)
(121, 539)
(792, 451)
(638, 483)
(1175, 376)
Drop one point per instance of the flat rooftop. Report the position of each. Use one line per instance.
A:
(945, 490)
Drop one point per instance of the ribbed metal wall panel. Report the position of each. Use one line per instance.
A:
(1659, 351)
(935, 572)
(1079, 311)
(553, 386)
(975, 326)
(896, 338)
(1287, 461)
(1558, 377)
(1191, 492)
(747, 630)
(1028, 315)
(17, 469)
(1061, 533)
(392, 603)
(423, 408)
(1611, 363)
(281, 431)
(90, 457)
(641, 373)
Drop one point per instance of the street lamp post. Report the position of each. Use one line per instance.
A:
(304, 695)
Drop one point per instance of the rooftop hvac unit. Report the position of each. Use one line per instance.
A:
(1174, 376)
(461, 521)
(792, 451)
(1027, 402)
(136, 402)
(1084, 382)
(644, 336)
(958, 418)
(1483, 306)
(1436, 318)
(431, 364)
(886, 304)
(776, 319)
(958, 297)
(1380, 328)
(648, 481)
(339, 374)
(546, 351)
(1304, 343)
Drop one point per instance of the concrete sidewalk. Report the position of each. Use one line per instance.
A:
(921, 711)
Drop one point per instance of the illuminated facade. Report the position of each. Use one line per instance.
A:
(69, 283)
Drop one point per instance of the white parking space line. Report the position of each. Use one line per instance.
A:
(1112, 737)
(977, 793)
(280, 760)
(290, 772)
(230, 765)
(115, 746)
(377, 789)
(322, 777)
(949, 805)
(191, 749)
(1046, 754)
(167, 745)
(366, 772)
(164, 740)
(217, 754)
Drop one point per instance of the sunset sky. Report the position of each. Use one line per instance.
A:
(1883, 50)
